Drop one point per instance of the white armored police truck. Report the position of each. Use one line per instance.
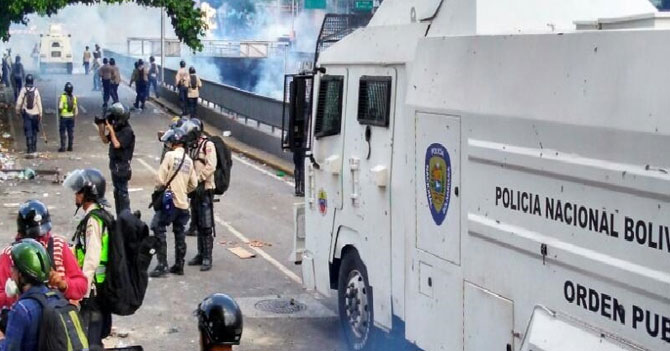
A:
(56, 50)
(491, 175)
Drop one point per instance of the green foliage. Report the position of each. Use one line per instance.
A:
(184, 16)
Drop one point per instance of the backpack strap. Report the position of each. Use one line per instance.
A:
(202, 147)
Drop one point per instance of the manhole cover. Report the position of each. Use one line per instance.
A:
(280, 306)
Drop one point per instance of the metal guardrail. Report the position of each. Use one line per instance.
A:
(230, 100)
(235, 101)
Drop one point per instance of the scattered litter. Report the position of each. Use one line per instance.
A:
(134, 190)
(228, 243)
(281, 174)
(173, 330)
(258, 243)
(6, 135)
(227, 133)
(74, 158)
(11, 205)
(45, 195)
(241, 253)
(29, 173)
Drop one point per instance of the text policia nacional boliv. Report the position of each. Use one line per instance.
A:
(635, 231)
(653, 235)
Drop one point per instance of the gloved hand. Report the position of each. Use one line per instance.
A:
(56, 281)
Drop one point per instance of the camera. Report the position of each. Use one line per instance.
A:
(99, 120)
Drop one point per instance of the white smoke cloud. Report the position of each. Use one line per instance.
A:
(111, 25)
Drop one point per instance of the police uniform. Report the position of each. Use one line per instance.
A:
(204, 155)
(91, 251)
(67, 111)
(181, 185)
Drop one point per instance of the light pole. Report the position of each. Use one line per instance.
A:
(162, 44)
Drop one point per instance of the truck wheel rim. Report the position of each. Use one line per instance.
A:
(356, 302)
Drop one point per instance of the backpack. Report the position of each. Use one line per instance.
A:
(61, 327)
(130, 250)
(29, 98)
(224, 164)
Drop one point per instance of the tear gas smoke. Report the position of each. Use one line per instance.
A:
(239, 20)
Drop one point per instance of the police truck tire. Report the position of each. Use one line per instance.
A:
(355, 303)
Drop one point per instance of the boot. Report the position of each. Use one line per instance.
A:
(61, 149)
(207, 245)
(179, 253)
(160, 271)
(177, 268)
(162, 267)
(197, 259)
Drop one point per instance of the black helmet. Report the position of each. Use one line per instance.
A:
(174, 136)
(88, 181)
(105, 61)
(33, 219)
(117, 114)
(30, 80)
(193, 129)
(152, 59)
(112, 61)
(68, 88)
(140, 62)
(182, 63)
(191, 70)
(219, 320)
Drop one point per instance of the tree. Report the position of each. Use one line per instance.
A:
(185, 17)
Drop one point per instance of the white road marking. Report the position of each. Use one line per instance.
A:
(146, 165)
(264, 171)
(83, 109)
(287, 272)
(259, 251)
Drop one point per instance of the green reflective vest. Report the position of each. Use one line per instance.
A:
(80, 246)
(64, 110)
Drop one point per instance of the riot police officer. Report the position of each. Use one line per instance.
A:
(116, 131)
(219, 322)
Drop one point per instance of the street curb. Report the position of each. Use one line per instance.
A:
(252, 154)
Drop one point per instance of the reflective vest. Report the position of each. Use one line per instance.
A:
(80, 246)
(65, 112)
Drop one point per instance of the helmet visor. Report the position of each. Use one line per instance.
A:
(75, 181)
(168, 136)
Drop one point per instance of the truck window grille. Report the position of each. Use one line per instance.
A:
(329, 108)
(374, 100)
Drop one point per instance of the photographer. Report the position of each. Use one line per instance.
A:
(115, 130)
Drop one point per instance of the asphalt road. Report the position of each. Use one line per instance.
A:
(258, 206)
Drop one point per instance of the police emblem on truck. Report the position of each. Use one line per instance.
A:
(438, 181)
